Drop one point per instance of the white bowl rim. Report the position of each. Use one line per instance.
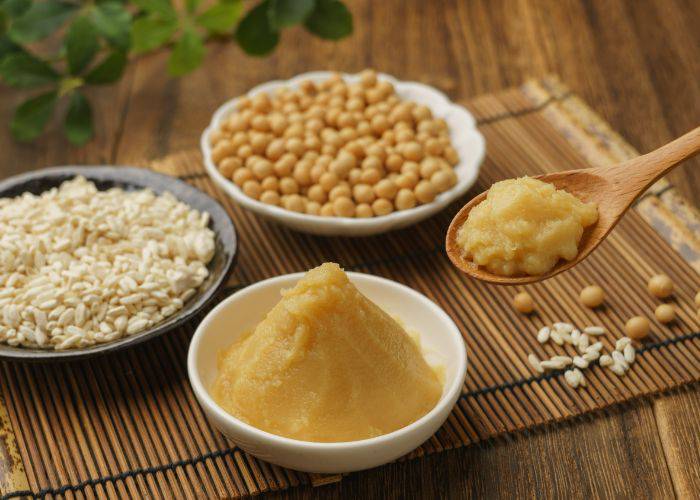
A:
(452, 390)
(441, 201)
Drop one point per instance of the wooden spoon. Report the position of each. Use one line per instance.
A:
(614, 189)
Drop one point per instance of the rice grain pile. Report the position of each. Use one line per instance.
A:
(80, 266)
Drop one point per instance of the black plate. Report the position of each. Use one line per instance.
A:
(130, 178)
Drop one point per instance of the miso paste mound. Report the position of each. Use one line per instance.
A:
(524, 226)
(326, 364)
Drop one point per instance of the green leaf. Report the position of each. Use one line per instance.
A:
(113, 22)
(31, 116)
(221, 17)
(78, 124)
(162, 7)
(4, 17)
(81, 44)
(187, 53)
(7, 46)
(330, 19)
(151, 32)
(254, 33)
(284, 13)
(24, 70)
(40, 20)
(15, 8)
(191, 5)
(109, 70)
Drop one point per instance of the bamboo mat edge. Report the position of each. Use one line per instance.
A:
(662, 207)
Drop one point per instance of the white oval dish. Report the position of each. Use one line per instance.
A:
(466, 139)
(440, 339)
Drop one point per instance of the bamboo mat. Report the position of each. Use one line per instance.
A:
(128, 425)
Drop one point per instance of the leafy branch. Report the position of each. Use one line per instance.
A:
(61, 47)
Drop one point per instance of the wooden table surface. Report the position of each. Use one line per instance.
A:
(635, 62)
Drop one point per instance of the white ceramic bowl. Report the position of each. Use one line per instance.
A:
(466, 139)
(243, 310)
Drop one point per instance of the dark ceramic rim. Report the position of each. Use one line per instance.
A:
(131, 178)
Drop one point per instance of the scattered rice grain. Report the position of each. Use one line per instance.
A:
(619, 359)
(606, 360)
(622, 343)
(583, 342)
(543, 334)
(618, 369)
(571, 378)
(580, 362)
(594, 330)
(552, 365)
(556, 337)
(596, 346)
(564, 327)
(535, 363)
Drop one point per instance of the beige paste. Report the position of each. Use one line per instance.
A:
(524, 226)
(326, 364)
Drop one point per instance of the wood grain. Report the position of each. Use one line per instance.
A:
(635, 62)
(614, 445)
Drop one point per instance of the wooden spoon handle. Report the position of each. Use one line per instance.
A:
(639, 173)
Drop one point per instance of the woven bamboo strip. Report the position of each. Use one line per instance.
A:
(99, 419)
